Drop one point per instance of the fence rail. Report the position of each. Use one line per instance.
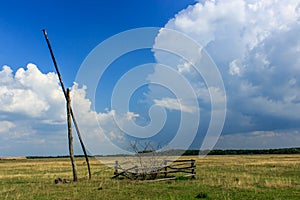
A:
(157, 172)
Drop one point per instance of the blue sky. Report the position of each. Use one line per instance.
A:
(247, 54)
(74, 28)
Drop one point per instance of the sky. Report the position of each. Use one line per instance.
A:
(210, 74)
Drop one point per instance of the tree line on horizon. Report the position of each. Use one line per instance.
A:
(199, 152)
(243, 151)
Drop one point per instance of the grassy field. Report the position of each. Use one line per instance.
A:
(218, 177)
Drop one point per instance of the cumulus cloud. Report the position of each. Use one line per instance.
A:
(31, 93)
(33, 115)
(16, 97)
(255, 46)
(174, 104)
(31, 106)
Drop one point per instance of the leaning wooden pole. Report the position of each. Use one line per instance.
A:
(70, 136)
(71, 110)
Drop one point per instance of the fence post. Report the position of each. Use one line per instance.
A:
(136, 169)
(116, 168)
(166, 168)
(193, 168)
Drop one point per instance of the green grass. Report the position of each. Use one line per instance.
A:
(217, 177)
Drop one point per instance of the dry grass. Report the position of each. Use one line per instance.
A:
(218, 177)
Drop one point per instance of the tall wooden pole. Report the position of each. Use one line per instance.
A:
(70, 136)
(71, 111)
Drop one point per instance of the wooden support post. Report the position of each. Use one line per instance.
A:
(71, 111)
(193, 168)
(136, 169)
(116, 168)
(70, 136)
(166, 168)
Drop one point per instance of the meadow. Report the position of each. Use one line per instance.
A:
(217, 177)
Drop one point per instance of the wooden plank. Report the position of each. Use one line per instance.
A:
(192, 160)
(182, 167)
(163, 179)
(189, 175)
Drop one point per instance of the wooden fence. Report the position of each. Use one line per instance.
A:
(156, 173)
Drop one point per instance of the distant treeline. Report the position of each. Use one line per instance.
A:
(198, 152)
(61, 156)
(244, 151)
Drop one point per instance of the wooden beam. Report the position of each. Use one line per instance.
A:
(70, 136)
(71, 110)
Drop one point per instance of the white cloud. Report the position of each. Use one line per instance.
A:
(6, 126)
(185, 67)
(174, 104)
(234, 69)
(257, 42)
(255, 45)
(6, 75)
(33, 115)
(203, 21)
(30, 92)
(131, 115)
(21, 100)
(232, 28)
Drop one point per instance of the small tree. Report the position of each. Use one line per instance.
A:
(146, 159)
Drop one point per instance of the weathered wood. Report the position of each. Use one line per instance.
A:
(144, 173)
(116, 167)
(174, 161)
(81, 144)
(183, 168)
(164, 179)
(189, 175)
(71, 111)
(70, 136)
(180, 163)
(173, 171)
(193, 168)
(123, 172)
(165, 168)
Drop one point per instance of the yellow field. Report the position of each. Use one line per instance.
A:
(217, 177)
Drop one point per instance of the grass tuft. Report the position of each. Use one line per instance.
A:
(201, 195)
